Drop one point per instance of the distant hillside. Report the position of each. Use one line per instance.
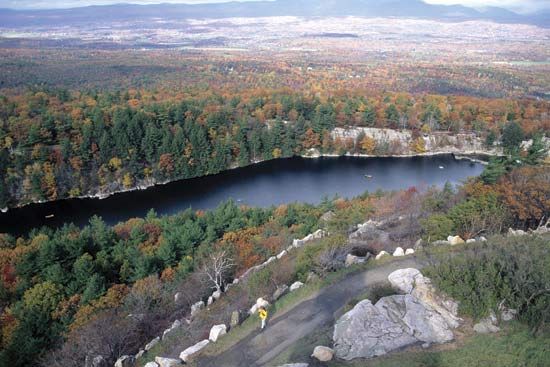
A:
(369, 8)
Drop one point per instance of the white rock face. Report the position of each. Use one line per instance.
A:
(409, 251)
(381, 254)
(167, 362)
(365, 332)
(455, 240)
(282, 254)
(399, 252)
(188, 353)
(323, 354)
(295, 286)
(152, 343)
(416, 319)
(217, 331)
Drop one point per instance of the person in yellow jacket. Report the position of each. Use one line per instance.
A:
(262, 313)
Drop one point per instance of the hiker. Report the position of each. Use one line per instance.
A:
(263, 315)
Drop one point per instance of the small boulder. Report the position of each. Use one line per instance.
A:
(508, 314)
(217, 331)
(295, 365)
(281, 291)
(189, 352)
(381, 254)
(236, 319)
(152, 343)
(210, 301)
(399, 252)
(486, 326)
(167, 362)
(409, 251)
(518, 232)
(151, 364)
(352, 260)
(455, 240)
(216, 295)
(295, 286)
(323, 354)
(126, 361)
(178, 297)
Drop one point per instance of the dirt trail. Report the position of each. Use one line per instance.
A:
(260, 348)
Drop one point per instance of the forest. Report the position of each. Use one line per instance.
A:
(57, 143)
(64, 292)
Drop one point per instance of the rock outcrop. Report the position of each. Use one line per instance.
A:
(420, 315)
(365, 332)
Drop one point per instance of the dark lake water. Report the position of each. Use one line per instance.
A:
(269, 183)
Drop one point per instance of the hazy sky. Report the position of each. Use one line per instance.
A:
(517, 5)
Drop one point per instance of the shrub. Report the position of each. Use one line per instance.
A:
(437, 227)
(512, 271)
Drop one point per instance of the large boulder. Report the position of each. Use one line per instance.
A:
(416, 319)
(217, 331)
(323, 354)
(189, 352)
(260, 302)
(125, 361)
(295, 286)
(236, 319)
(366, 332)
(411, 281)
(167, 362)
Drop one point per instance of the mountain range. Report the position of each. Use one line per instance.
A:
(367, 8)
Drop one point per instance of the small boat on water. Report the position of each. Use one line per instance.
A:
(50, 216)
(441, 167)
(369, 176)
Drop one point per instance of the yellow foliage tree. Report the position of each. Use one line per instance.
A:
(418, 145)
(368, 144)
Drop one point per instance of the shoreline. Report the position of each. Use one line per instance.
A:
(471, 156)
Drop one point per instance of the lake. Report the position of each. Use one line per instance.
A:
(265, 184)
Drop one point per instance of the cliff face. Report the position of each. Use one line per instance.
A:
(403, 143)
